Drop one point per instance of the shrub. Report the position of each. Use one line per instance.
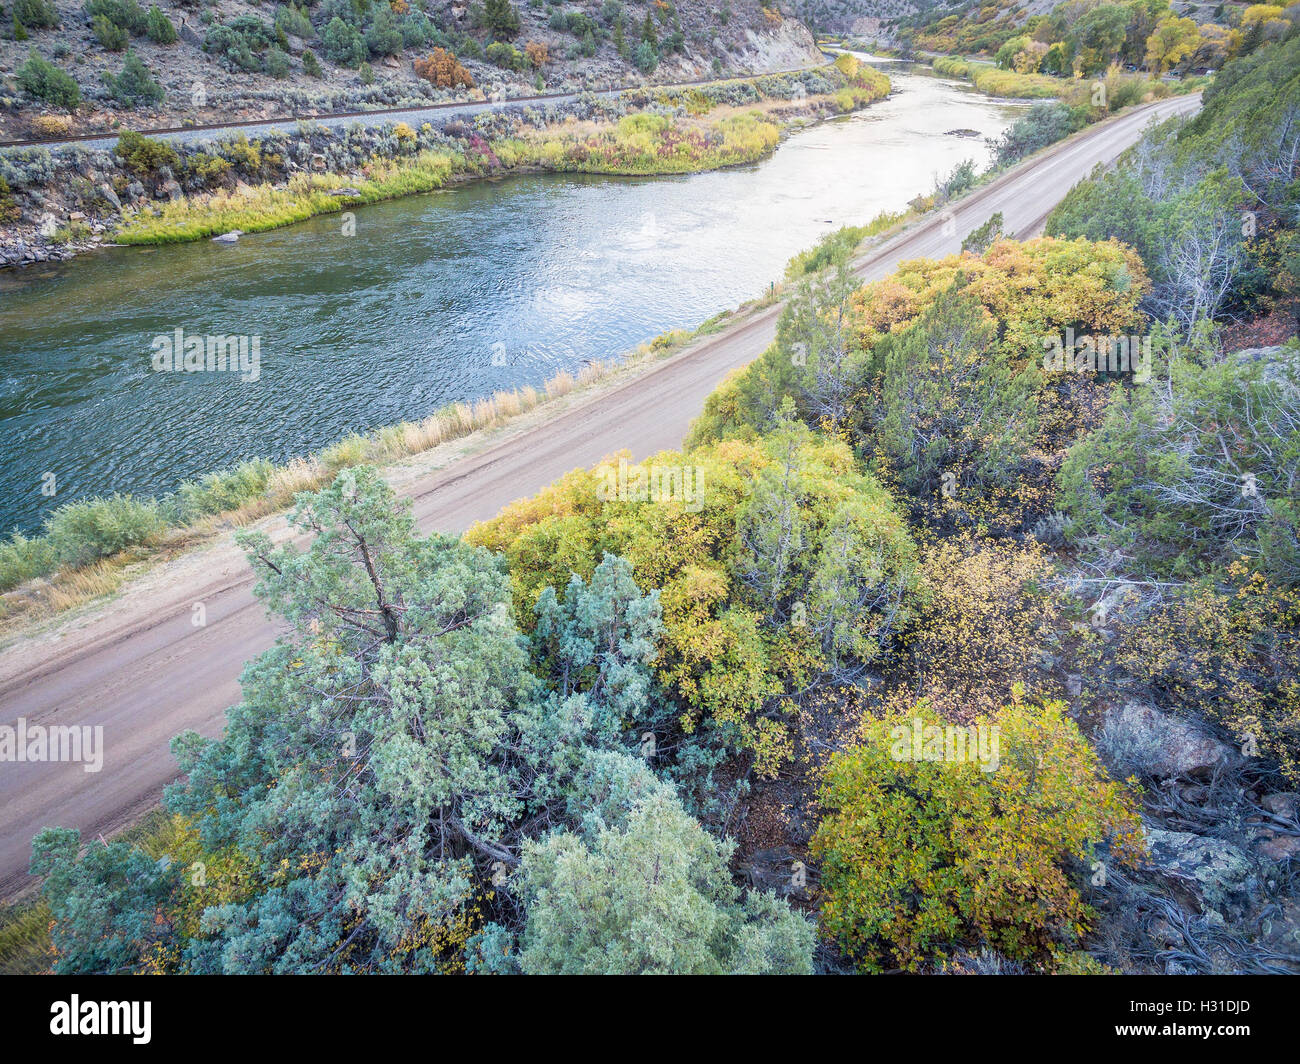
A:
(43, 80)
(1008, 83)
(1196, 467)
(506, 56)
(501, 18)
(343, 44)
(9, 209)
(110, 36)
(51, 127)
(134, 85)
(442, 69)
(310, 64)
(277, 63)
(382, 36)
(144, 156)
(23, 559)
(85, 531)
(1043, 124)
(125, 14)
(923, 854)
(239, 43)
(294, 20)
(978, 619)
(645, 57)
(951, 66)
(208, 169)
(36, 14)
(225, 490)
(652, 895)
(158, 27)
(537, 54)
(1231, 657)
(791, 565)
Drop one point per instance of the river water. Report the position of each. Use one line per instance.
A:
(435, 298)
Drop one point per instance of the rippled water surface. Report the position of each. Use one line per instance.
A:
(404, 316)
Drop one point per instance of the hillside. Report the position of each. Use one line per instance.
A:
(982, 27)
(105, 63)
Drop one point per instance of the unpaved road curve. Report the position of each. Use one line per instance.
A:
(140, 667)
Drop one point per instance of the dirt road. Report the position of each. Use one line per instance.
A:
(141, 668)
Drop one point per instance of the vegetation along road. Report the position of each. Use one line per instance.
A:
(142, 669)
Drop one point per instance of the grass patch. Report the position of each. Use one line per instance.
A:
(255, 209)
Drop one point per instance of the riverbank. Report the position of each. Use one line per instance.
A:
(1099, 96)
(149, 191)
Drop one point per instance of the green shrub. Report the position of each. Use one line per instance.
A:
(1195, 468)
(951, 66)
(294, 20)
(501, 18)
(1043, 124)
(38, 14)
(843, 241)
(225, 490)
(158, 27)
(310, 64)
(10, 211)
(383, 37)
(85, 531)
(125, 14)
(343, 43)
(652, 895)
(23, 558)
(506, 56)
(42, 79)
(134, 85)
(109, 35)
(143, 156)
(240, 43)
(645, 57)
(277, 63)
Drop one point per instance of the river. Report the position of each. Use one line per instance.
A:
(434, 298)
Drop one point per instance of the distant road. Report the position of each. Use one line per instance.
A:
(140, 668)
(378, 116)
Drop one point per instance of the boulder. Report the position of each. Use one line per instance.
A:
(1164, 746)
(1285, 804)
(1277, 848)
(777, 870)
(1213, 869)
(228, 238)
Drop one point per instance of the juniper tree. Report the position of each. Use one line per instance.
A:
(392, 755)
(651, 893)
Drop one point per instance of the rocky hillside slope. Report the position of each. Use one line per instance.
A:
(100, 64)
